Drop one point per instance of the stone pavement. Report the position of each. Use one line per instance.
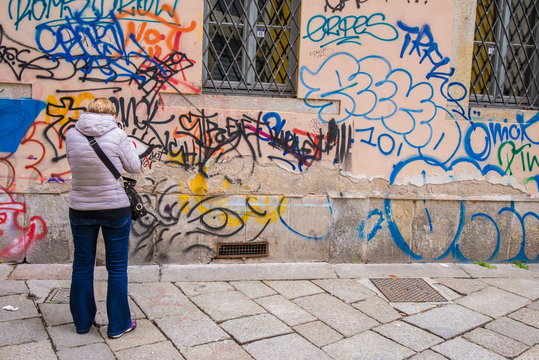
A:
(279, 311)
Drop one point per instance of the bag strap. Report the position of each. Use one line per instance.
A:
(103, 157)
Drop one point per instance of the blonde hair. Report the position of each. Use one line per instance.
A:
(101, 106)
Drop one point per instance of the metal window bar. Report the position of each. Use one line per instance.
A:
(251, 47)
(505, 67)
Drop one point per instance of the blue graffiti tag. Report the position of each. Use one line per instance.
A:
(98, 42)
(29, 10)
(386, 95)
(377, 226)
(349, 29)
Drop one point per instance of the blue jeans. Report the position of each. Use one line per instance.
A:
(82, 300)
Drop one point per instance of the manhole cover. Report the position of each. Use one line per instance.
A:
(407, 290)
(58, 296)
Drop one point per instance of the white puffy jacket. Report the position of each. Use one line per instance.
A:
(93, 186)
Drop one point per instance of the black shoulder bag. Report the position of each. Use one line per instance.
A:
(137, 207)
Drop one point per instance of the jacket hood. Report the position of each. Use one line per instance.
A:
(91, 124)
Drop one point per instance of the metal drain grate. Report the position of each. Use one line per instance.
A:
(407, 290)
(58, 296)
(242, 250)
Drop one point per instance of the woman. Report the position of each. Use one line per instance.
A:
(98, 201)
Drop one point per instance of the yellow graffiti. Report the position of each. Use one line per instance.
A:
(59, 108)
(258, 208)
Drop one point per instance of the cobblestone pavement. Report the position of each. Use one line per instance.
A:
(282, 311)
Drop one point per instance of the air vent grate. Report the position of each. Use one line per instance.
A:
(242, 250)
(58, 296)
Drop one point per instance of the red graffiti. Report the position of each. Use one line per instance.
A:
(10, 212)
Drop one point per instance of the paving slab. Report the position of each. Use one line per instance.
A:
(222, 350)
(408, 335)
(252, 328)
(532, 354)
(337, 314)
(523, 287)
(65, 336)
(242, 272)
(41, 350)
(87, 352)
(318, 333)
(367, 345)
(101, 318)
(55, 314)
(432, 270)
(285, 347)
(348, 290)
(162, 350)
(294, 289)
(502, 270)
(496, 342)
(411, 308)
(428, 355)
(5, 270)
(448, 321)
(227, 305)
(285, 310)
(200, 288)
(527, 316)
(253, 289)
(21, 331)
(515, 330)
(145, 333)
(369, 285)
(159, 300)
(463, 286)
(460, 348)
(26, 307)
(191, 329)
(12, 287)
(40, 289)
(443, 290)
(378, 309)
(493, 302)
(41, 272)
(534, 305)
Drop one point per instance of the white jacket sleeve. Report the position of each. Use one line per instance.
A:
(128, 155)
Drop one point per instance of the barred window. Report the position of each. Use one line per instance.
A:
(250, 46)
(505, 68)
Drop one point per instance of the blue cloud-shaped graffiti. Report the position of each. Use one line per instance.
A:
(371, 89)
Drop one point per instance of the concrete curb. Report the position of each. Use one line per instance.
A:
(233, 272)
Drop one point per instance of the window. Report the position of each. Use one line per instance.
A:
(505, 69)
(250, 46)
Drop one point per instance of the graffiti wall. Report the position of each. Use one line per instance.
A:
(379, 157)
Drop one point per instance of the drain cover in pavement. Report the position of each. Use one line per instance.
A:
(58, 296)
(407, 290)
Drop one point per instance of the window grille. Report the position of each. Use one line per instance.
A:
(505, 68)
(250, 46)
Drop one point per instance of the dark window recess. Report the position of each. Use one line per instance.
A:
(242, 250)
(505, 67)
(251, 47)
